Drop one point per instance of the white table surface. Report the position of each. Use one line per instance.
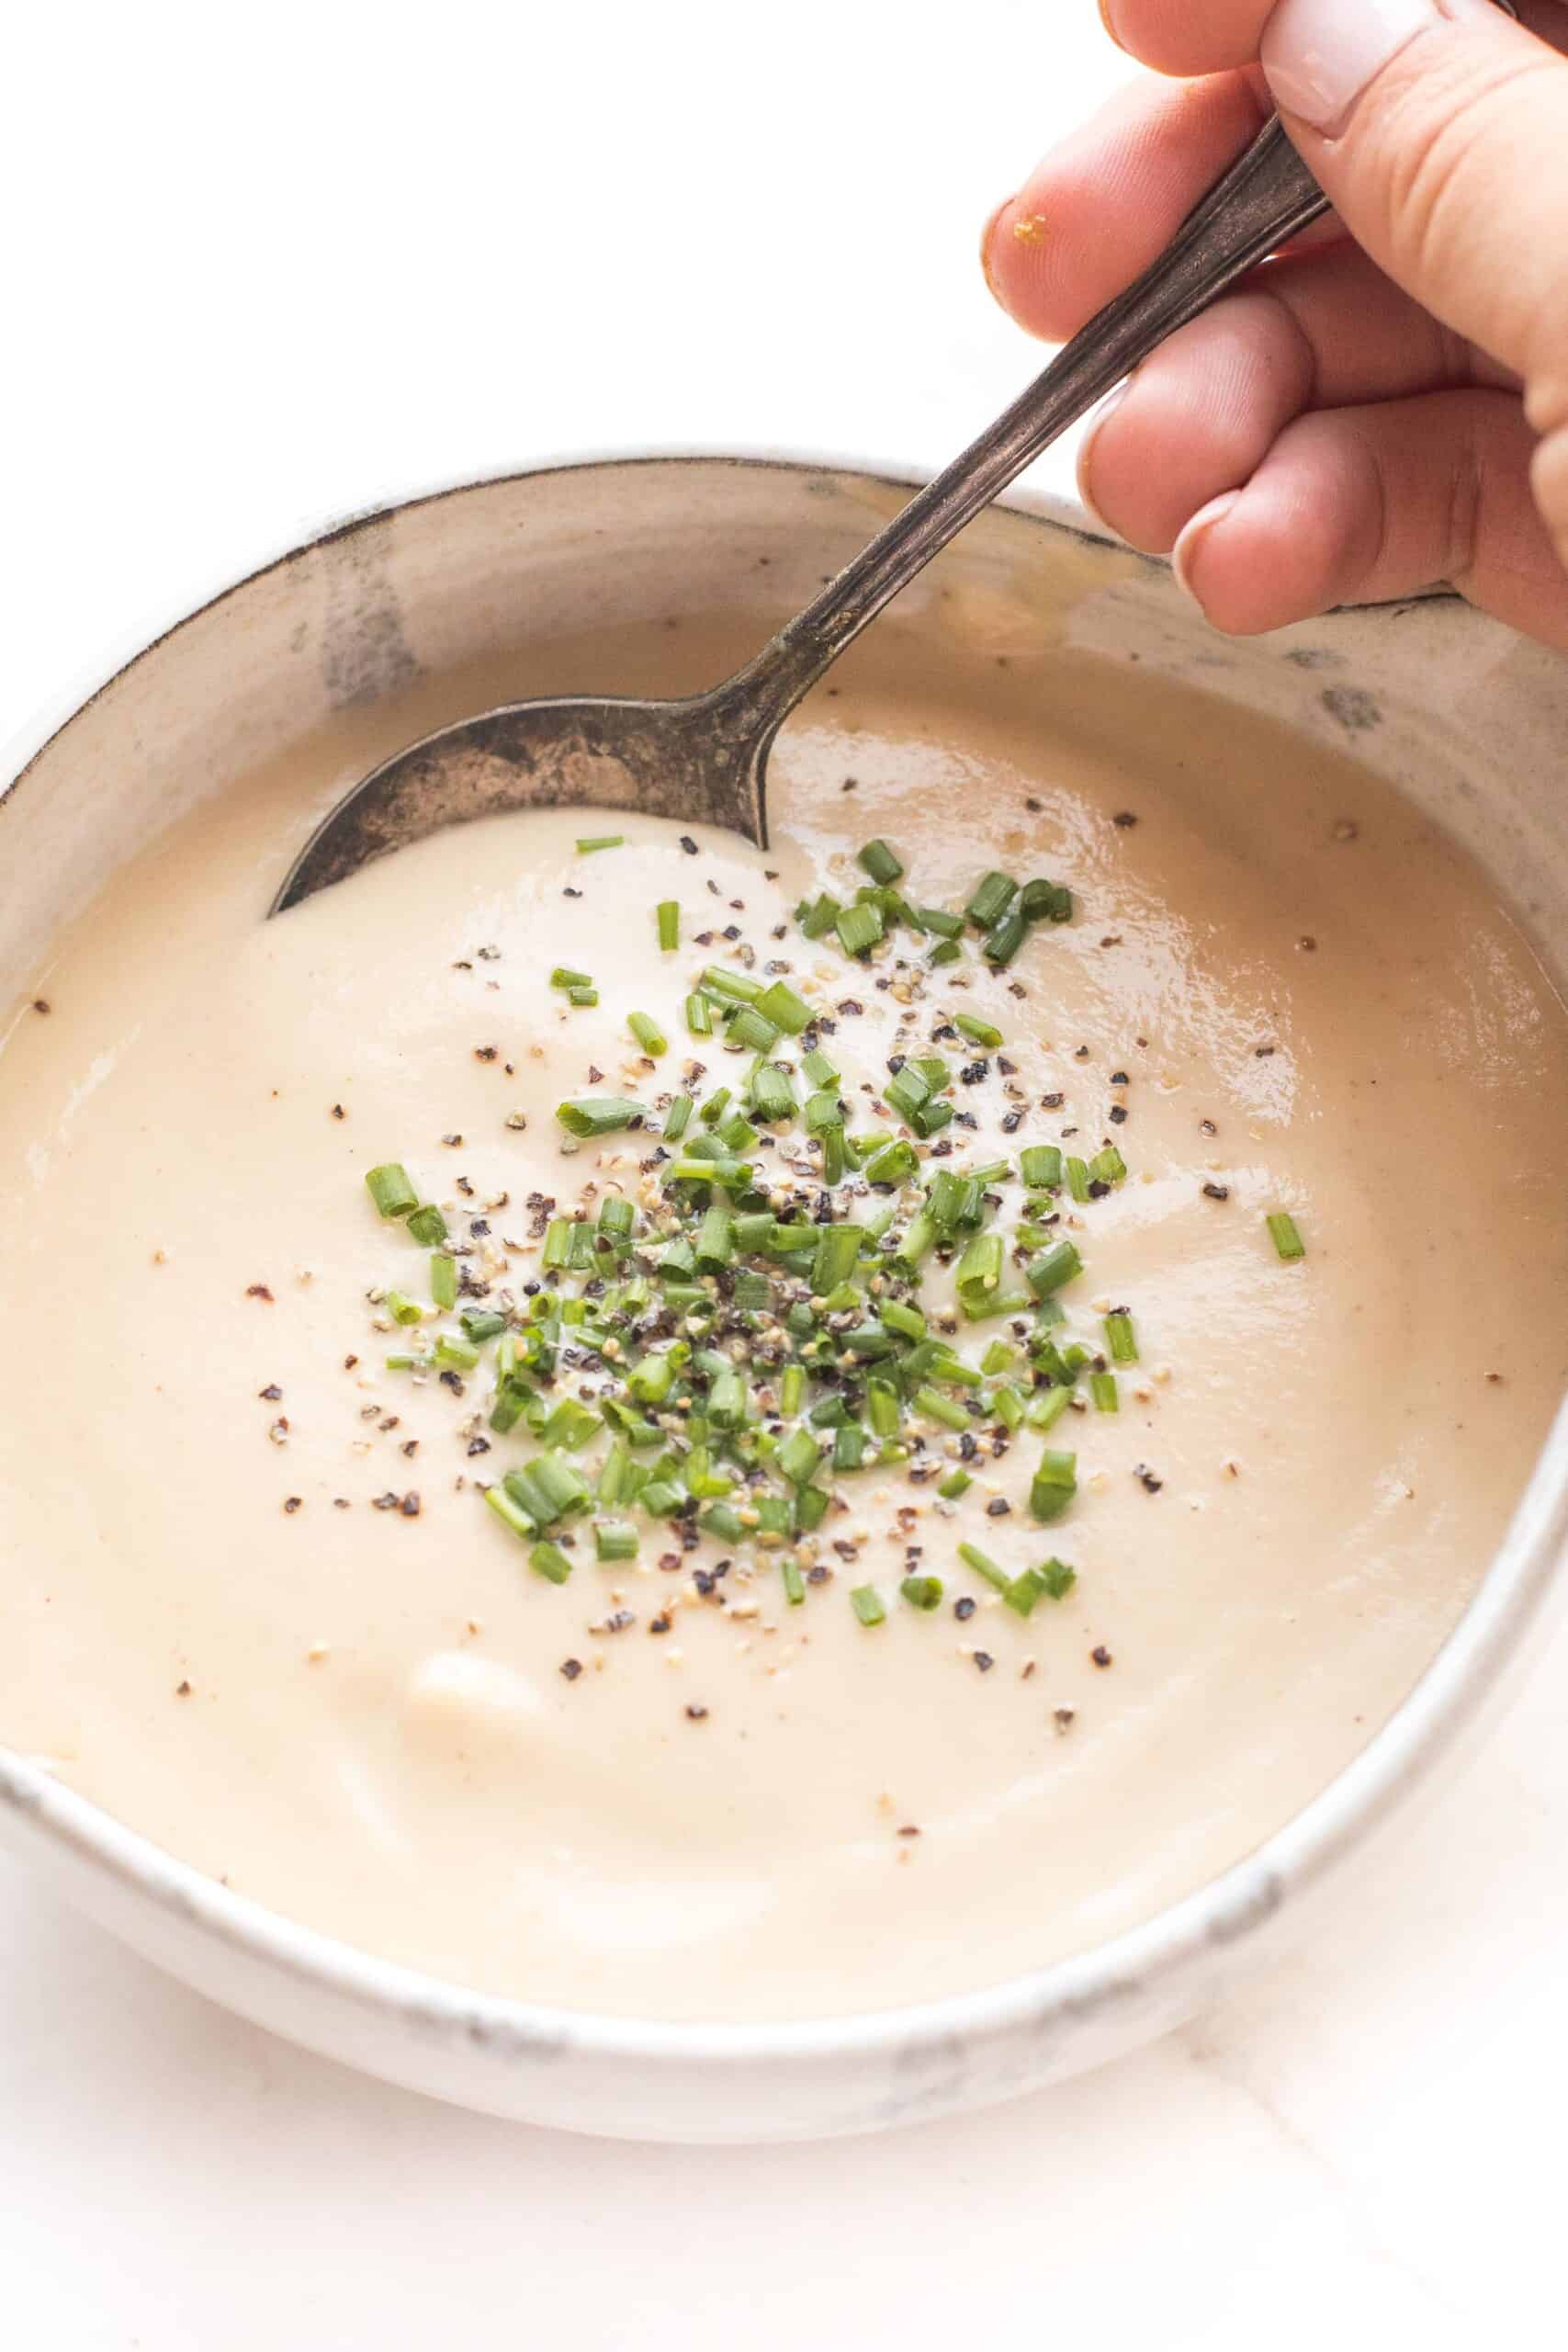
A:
(708, 225)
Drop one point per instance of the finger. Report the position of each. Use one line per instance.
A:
(1443, 140)
(1099, 208)
(1357, 506)
(1174, 37)
(1201, 416)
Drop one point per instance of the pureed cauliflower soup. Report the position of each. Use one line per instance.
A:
(707, 1434)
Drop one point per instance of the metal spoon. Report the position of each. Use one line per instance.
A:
(706, 758)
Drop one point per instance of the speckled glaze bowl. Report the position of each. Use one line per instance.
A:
(1467, 720)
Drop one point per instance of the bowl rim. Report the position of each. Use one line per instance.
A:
(1221, 1914)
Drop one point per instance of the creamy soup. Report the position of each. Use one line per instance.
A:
(259, 1599)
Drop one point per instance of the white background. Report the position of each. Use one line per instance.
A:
(263, 265)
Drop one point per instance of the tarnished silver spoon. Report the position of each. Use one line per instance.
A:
(706, 758)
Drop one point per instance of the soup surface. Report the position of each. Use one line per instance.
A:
(255, 1602)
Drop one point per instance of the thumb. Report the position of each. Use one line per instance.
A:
(1439, 128)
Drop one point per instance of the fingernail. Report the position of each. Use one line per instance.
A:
(1192, 537)
(1108, 18)
(1097, 426)
(1320, 55)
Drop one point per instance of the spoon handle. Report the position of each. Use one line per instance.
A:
(1267, 197)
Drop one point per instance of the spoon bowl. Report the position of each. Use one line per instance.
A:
(665, 759)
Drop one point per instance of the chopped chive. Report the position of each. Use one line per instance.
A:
(1122, 1338)
(937, 1408)
(786, 1011)
(810, 1509)
(892, 1164)
(444, 1279)
(818, 1068)
(881, 1407)
(549, 1560)
(1286, 1238)
(907, 1320)
(923, 1592)
(859, 928)
(1054, 1484)
(480, 1324)
(715, 1243)
(589, 842)
(677, 1118)
(614, 1539)
(714, 1109)
(849, 1446)
(1077, 1179)
(1024, 1591)
(1007, 1404)
(510, 1513)
(726, 1401)
(563, 1487)
(1053, 1268)
(816, 920)
(667, 914)
(401, 1308)
(792, 1388)
(570, 1425)
(942, 926)
(973, 1558)
(732, 1174)
(1057, 1579)
(881, 863)
(563, 976)
(1044, 901)
(1004, 939)
(390, 1190)
(1048, 1407)
(427, 1227)
(980, 1273)
(581, 997)
(598, 1115)
(798, 1457)
(733, 988)
(1103, 1388)
(866, 1602)
(1040, 1167)
(1107, 1167)
(771, 1094)
(751, 1028)
(793, 1582)
(699, 1016)
(989, 900)
(838, 1248)
(649, 1033)
(979, 1033)
(956, 1483)
(401, 1362)
(455, 1354)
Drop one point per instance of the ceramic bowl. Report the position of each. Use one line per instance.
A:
(1466, 718)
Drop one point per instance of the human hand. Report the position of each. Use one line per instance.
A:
(1360, 419)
